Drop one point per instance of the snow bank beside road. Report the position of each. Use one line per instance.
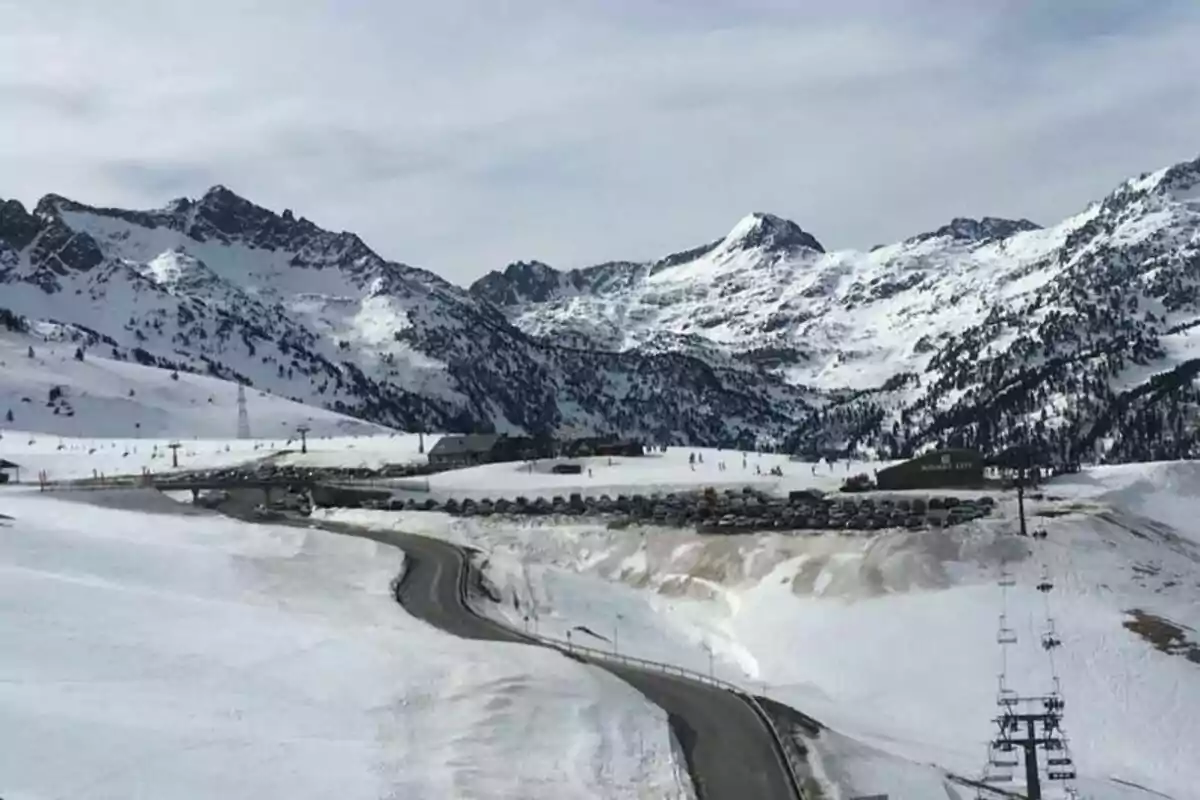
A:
(184, 655)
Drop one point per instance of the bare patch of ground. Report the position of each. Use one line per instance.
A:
(1163, 634)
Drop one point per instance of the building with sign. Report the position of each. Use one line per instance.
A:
(941, 469)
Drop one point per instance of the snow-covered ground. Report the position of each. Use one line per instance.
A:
(654, 472)
(888, 638)
(65, 458)
(151, 651)
(101, 397)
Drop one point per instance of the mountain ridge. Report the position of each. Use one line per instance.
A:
(221, 285)
(759, 334)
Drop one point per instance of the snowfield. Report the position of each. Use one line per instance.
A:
(151, 651)
(67, 458)
(654, 472)
(118, 418)
(106, 398)
(889, 638)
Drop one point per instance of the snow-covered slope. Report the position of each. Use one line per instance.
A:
(961, 335)
(72, 457)
(889, 638)
(55, 386)
(149, 653)
(223, 286)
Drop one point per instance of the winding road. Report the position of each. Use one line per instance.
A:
(731, 752)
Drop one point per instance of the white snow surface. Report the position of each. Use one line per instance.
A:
(889, 638)
(152, 652)
(103, 397)
(653, 472)
(67, 458)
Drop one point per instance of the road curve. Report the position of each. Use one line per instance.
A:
(731, 753)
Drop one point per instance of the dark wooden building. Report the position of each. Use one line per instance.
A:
(464, 450)
(941, 469)
(9, 471)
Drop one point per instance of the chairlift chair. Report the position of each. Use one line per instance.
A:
(1054, 703)
(995, 758)
(998, 778)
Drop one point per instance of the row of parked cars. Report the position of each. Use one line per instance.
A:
(729, 511)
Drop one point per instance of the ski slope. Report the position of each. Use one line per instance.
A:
(106, 398)
(653, 472)
(67, 458)
(153, 651)
(889, 638)
(115, 417)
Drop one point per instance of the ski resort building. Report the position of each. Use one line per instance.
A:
(464, 450)
(941, 469)
(9, 471)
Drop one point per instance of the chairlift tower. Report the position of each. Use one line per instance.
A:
(1028, 724)
(243, 421)
(303, 430)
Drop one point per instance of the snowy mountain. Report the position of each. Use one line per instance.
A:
(222, 286)
(972, 334)
(980, 332)
(49, 385)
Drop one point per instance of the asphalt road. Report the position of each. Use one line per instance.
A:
(730, 753)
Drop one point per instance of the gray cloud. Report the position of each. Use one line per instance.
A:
(460, 135)
(160, 179)
(76, 104)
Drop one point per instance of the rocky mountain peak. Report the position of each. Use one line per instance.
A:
(233, 215)
(770, 233)
(17, 226)
(535, 269)
(51, 205)
(986, 229)
(520, 282)
(1182, 180)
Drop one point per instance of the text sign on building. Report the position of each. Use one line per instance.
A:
(962, 465)
(948, 465)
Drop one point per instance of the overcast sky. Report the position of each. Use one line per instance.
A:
(460, 135)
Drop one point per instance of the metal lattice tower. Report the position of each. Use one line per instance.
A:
(243, 425)
(1028, 724)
